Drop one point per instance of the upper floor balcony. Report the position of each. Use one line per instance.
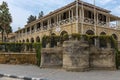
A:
(71, 14)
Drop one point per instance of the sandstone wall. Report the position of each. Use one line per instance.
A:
(17, 58)
(51, 57)
(102, 58)
(79, 56)
(75, 56)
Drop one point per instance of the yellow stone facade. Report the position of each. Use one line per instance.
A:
(76, 17)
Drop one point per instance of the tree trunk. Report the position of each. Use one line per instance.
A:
(2, 35)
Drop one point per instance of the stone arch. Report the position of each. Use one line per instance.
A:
(53, 34)
(64, 38)
(32, 40)
(90, 32)
(102, 41)
(63, 33)
(44, 41)
(115, 36)
(27, 40)
(23, 41)
(92, 40)
(37, 39)
(102, 33)
(53, 41)
(19, 41)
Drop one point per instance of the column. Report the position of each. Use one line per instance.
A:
(109, 21)
(41, 26)
(97, 19)
(72, 14)
(82, 17)
(30, 30)
(25, 31)
(48, 24)
(57, 19)
(35, 27)
(69, 14)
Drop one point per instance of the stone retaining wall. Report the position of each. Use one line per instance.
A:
(51, 57)
(75, 56)
(102, 59)
(79, 56)
(17, 58)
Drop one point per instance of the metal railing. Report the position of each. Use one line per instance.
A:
(88, 20)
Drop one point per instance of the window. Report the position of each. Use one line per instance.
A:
(101, 17)
(88, 14)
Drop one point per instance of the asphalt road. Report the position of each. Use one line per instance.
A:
(56, 74)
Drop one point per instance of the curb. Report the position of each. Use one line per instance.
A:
(20, 77)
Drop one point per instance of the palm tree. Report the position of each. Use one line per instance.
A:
(5, 18)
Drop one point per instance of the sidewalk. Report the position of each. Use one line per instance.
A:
(57, 74)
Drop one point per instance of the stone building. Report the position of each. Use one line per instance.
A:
(76, 17)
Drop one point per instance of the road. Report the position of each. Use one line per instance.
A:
(32, 71)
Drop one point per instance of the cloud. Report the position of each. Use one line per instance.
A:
(20, 9)
(116, 10)
(105, 2)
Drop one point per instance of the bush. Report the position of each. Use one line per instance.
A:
(76, 36)
(12, 47)
(38, 47)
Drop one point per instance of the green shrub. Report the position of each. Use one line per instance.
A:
(76, 36)
(38, 47)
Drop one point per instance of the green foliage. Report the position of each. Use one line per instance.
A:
(12, 47)
(9, 30)
(57, 38)
(40, 15)
(76, 36)
(65, 37)
(38, 47)
(5, 18)
(31, 18)
(29, 46)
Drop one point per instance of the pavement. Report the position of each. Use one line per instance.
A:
(31, 72)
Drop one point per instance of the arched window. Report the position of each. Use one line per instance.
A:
(112, 43)
(38, 39)
(27, 40)
(19, 41)
(64, 36)
(32, 40)
(89, 32)
(63, 33)
(115, 36)
(23, 41)
(92, 40)
(102, 33)
(53, 41)
(103, 41)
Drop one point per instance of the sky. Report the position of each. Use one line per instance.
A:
(21, 9)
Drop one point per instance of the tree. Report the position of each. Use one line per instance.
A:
(40, 14)
(8, 30)
(5, 18)
(31, 18)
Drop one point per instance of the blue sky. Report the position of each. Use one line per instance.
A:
(21, 9)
